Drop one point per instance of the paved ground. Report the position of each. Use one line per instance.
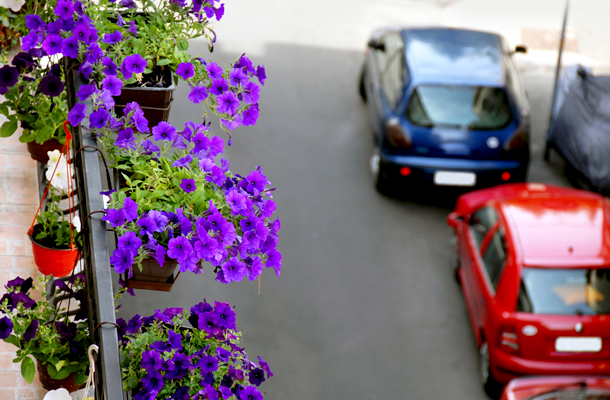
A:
(366, 307)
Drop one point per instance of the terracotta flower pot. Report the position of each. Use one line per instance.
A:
(52, 384)
(50, 261)
(38, 151)
(153, 277)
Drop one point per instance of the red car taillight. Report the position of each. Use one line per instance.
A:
(397, 135)
(517, 140)
(509, 340)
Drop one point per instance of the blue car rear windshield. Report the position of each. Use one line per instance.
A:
(562, 291)
(469, 107)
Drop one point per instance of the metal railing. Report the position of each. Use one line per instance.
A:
(88, 174)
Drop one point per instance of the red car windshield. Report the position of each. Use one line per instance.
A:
(563, 291)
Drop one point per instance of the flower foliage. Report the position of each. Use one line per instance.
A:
(178, 204)
(42, 331)
(165, 359)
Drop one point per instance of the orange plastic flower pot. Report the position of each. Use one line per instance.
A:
(56, 262)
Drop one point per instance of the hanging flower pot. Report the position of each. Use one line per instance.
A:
(49, 260)
(38, 151)
(49, 383)
(154, 101)
(152, 276)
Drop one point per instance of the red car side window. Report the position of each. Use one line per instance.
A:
(481, 222)
(494, 254)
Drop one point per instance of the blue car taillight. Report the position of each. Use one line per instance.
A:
(397, 135)
(517, 140)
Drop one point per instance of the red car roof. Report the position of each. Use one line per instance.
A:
(552, 226)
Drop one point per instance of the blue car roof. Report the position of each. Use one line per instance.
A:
(454, 56)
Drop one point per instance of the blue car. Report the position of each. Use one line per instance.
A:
(447, 108)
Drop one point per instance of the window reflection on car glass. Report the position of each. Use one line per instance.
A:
(565, 291)
(480, 222)
(495, 257)
(472, 107)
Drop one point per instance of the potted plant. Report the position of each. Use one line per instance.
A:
(54, 236)
(179, 206)
(43, 331)
(164, 357)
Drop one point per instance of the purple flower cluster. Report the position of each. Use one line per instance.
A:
(168, 361)
(235, 234)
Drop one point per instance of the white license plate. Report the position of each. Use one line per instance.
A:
(449, 178)
(578, 344)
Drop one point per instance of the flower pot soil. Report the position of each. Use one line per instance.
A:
(153, 277)
(52, 384)
(50, 260)
(38, 151)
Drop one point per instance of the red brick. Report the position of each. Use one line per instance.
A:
(14, 232)
(23, 191)
(28, 393)
(35, 384)
(7, 394)
(8, 379)
(6, 360)
(20, 215)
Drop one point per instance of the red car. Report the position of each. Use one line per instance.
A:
(558, 388)
(534, 264)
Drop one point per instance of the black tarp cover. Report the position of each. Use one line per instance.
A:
(580, 130)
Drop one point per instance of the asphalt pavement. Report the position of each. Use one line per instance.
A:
(366, 307)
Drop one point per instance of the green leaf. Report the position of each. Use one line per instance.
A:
(122, 196)
(60, 364)
(28, 370)
(8, 128)
(4, 110)
(12, 339)
(27, 136)
(80, 377)
(126, 178)
(44, 134)
(164, 61)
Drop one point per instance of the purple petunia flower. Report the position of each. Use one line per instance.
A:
(130, 208)
(67, 331)
(69, 47)
(214, 71)
(251, 93)
(223, 355)
(24, 62)
(260, 74)
(184, 162)
(113, 85)
(133, 63)
(236, 201)
(174, 340)
(219, 86)
(85, 92)
(238, 78)
(77, 114)
(179, 248)
(8, 76)
(201, 143)
(94, 53)
(133, 29)
(151, 361)
(110, 68)
(255, 182)
(134, 324)
(107, 101)
(122, 260)
(208, 364)
(127, 4)
(185, 70)
(6, 327)
(112, 38)
(219, 12)
(34, 22)
(198, 94)
(188, 185)
(148, 226)
(256, 376)
(30, 41)
(250, 116)
(125, 139)
(164, 131)
(64, 9)
(274, 259)
(254, 267)
(98, 118)
(131, 242)
(250, 393)
(140, 122)
(150, 147)
(153, 382)
(51, 85)
(52, 44)
(228, 103)
(234, 270)
(217, 221)
(30, 332)
(265, 367)
(114, 217)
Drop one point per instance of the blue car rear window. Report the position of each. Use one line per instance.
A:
(469, 107)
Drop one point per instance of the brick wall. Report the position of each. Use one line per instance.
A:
(18, 203)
